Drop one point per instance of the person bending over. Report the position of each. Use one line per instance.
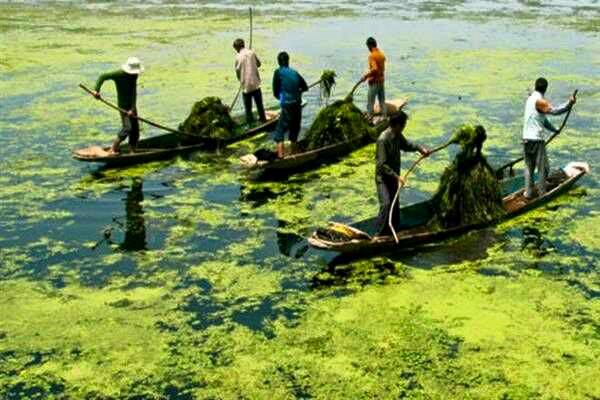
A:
(126, 83)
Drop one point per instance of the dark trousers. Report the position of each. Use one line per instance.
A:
(535, 158)
(386, 190)
(290, 121)
(130, 129)
(257, 96)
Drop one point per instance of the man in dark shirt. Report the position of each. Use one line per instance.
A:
(288, 86)
(126, 83)
(387, 174)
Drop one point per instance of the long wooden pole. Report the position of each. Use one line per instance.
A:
(401, 185)
(251, 26)
(351, 94)
(237, 95)
(550, 139)
(147, 121)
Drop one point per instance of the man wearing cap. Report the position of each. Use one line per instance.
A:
(246, 69)
(375, 77)
(534, 142)
(288, 86)
(387, 171)
(126, 83)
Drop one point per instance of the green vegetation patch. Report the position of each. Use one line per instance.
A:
(209, 119)
(341, 121)
(469, 191)
(327, 83)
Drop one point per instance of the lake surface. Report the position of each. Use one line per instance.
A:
(185, 279)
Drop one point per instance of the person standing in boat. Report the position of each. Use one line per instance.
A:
(246, 69)
(534, 144)
(375, 78)
(387, 172)
(288, 86)
(126, 83)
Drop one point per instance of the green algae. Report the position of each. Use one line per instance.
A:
(338, 122)
(327, 83)
(469, 192)
(209, 119)
(586, 232)
(213, 307)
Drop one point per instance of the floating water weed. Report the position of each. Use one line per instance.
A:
(209, 119)
(469, 191)
(338, 122)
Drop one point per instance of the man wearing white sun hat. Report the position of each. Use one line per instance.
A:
(126, 83)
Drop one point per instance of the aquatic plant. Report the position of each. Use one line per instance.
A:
(209, 118)
(468, 191)
(327, 83)
(338, 122)
(222, 303)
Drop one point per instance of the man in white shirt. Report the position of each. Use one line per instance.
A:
(534, 142)
(246, 69)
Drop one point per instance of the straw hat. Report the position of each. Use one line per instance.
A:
(133, 66)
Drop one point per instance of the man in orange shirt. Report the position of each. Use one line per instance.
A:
(375, 78)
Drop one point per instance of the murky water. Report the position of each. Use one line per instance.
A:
(184, 279)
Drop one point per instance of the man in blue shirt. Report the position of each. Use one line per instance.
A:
(288, 86)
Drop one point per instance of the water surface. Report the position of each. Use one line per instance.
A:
(184, 279)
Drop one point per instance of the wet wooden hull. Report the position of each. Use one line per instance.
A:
(169, 145)
(415, 233)
(313, 158)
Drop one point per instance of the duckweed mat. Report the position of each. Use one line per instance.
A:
(183, 280)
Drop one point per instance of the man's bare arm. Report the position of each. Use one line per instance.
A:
(545, 107)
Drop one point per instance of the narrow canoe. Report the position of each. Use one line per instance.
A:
(414, 231)
(169, 145)
(313, 158)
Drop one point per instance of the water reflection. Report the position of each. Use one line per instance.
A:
(135, 228)
(290, 244)
(534, 242)
(256, 195)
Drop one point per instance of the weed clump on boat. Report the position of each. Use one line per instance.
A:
(327, 83)
(209, 119)
(468, 191)
(338, 122)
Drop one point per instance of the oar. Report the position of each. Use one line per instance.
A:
(237, 95)
(111, 105)
(555, 134)
(401, 185)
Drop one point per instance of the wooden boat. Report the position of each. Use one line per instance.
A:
(415, 231)
(312, 158)
(165, 146)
